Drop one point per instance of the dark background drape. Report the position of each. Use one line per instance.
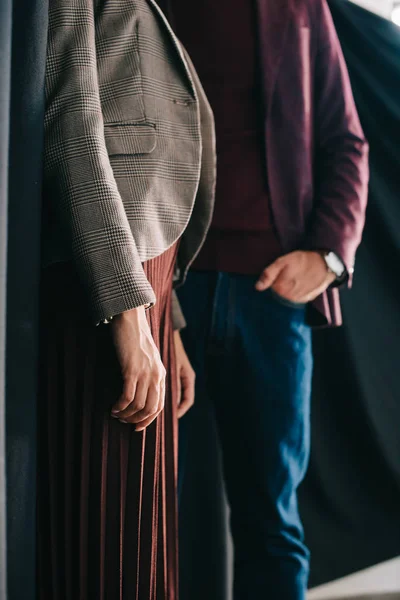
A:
(5, 70)
(28, 33)
(350, 500)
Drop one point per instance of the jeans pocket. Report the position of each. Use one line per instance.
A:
(285, 301)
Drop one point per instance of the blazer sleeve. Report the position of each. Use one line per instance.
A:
(341, 152)
(79, 179)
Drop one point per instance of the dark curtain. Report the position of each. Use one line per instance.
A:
(5, 70)
(29, 36)
(350, 500)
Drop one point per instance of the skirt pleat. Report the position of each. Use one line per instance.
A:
(107, 508)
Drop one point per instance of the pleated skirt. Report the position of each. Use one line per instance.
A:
(107, 508)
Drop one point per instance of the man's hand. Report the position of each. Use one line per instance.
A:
(186, 378)
(143, 373)
(298, 276)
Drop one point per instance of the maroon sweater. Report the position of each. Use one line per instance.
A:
(221, 38)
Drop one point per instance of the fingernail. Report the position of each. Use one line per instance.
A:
(115, 412)
(126, 422)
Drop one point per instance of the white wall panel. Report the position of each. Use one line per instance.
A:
(381, 7)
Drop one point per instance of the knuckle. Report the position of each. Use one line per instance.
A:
(145, 414)
(158, 369)
(129, 379)
(128, 374)
(151, 409)
(134, 419)
(156, 380)
(146, 370)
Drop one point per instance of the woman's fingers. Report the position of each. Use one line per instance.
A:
(179, 390)
(127, 396)
(186, 377)
(149, 420)
(138, 401)
(188, 380)
(141, 367)
(146, 405)
(149, 410)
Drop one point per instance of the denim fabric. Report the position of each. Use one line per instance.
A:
(253, 357)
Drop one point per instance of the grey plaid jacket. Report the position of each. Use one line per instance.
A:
(129, 148)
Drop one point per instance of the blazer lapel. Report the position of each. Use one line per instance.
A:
(177, 45)
(274, 17)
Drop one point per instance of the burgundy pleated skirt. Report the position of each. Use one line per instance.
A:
(107, 508)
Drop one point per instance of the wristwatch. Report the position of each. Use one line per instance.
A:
(334, 265)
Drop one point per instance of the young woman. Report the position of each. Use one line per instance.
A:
(129, 182)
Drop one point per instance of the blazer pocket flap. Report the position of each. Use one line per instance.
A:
(130, 138)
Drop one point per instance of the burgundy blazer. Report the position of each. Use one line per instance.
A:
(316, 153)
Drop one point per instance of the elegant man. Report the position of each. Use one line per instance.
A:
(290, 207)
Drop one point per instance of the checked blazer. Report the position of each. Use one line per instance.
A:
(129, 148)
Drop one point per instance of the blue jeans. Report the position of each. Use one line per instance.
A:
(253, 356)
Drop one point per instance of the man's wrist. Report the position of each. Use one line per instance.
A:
(334, 265)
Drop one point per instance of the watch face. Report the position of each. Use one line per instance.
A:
(335, 264)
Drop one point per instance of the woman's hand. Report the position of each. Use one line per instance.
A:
(143, 373)
(186, 377)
